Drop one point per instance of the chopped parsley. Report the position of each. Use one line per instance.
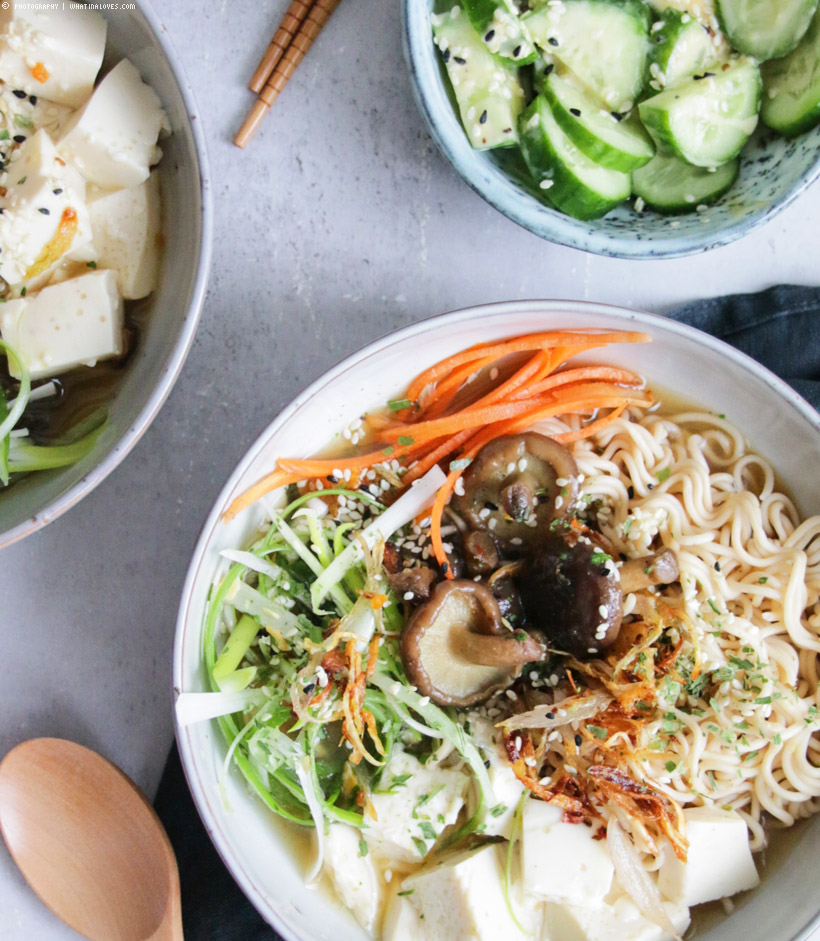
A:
(397, 405)
(405, 441)
(405, 892)
(763, 579)
(21, 120)
(713, 606)
(388, 450)
(670, 766)
(420, 845)
(597, 731)
(362, 848)
(741, 664)
(763, 700)
(427, 830)
(663, 474)
(600, 558)
(498, 810)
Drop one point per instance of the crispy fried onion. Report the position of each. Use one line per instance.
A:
(565, 793)
(356, 717)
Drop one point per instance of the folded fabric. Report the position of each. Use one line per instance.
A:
(780, 328)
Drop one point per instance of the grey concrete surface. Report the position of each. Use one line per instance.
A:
(339, 223)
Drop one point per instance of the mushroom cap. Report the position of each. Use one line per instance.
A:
(573, 598)
(510, 488)
(456, 649)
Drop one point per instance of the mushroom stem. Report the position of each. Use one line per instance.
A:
(493, 650)
(658, 569)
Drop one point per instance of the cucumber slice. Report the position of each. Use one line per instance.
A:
(488, 94)
(602, 136)
(605, 43)
(671, 186)
(681, 46)
(497, 22)
(569, 179)
(791, 99)
(707, 119)
(765, 29)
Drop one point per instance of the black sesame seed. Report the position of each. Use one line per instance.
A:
(459, 60)
(622, 556)
(552, 41)
(575, 111)
(444, 568)
(550, 715)
(32, 99)
(19, 93)
(489, 35)
(490, 506)
(578, 741)
(507, 130)
(717, 566)
(487, 763)
(516, 52)
(19, 138)
(483, 118)
(57, 191)
(309, 688)
(446, 55)
(650, 486)
(44, 211)
(617, 115)
(548, 68)
(708, 74)
(332, 479)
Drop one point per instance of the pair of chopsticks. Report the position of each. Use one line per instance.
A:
(296, 33)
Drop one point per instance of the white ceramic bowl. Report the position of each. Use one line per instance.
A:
(780, 425)
(176, 304)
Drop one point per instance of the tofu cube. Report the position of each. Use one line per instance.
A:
(353, 876)
(618, 920)
(127, 231)
(73, 323)
(52, 53)
(463, 900)
(413, 804)
(719, 861)
(561, 862)
(43, 215)
(401, 920)
(112, 140)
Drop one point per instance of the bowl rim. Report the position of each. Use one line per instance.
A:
(638, 318)
(182, 346)
(550, 224)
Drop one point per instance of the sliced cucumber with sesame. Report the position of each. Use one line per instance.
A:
(488, 93)
(603, 136)
(791, 98)
(765, 29)
(605, 43)
(707, 119)
(570, 180)
(498, 24)
(672, 186)
(680, 46)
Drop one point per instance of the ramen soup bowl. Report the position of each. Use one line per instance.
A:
(167, 319)
(270, 860)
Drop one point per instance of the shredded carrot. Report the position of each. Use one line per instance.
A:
(438, 427)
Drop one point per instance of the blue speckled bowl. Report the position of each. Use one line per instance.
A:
(774, 171)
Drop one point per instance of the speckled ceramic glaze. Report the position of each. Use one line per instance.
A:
(774, 171)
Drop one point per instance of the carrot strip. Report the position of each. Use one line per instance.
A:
(519, 345)
(438, 453)
(592, 428)
(605, 373)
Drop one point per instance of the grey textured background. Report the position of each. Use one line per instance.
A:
(339, 223)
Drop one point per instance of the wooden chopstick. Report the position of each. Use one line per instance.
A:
(317, 16)
(289, 26)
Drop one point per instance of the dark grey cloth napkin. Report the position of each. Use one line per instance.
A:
(779, 327)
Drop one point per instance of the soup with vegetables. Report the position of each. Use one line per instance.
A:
(80, 230)
(537, 653)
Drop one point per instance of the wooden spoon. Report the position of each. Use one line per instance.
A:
(89, 843)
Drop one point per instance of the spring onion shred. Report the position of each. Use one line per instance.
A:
(515, 837)
(409, 505)
(16, 408)
(305, 772)
(198, 707)
(251, 561)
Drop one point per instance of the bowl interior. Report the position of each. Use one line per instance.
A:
(777, 422)
(172, 310)
(773, 171)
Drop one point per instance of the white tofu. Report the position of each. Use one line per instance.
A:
(353, 876)
(53, 53)
(497, 820)
(619, 920)
(112, 140)
(464, 899)
(401, 920)
(43, 215)
(73, 323)
(24, 116)
(561, 862)
(719, 861)
(416, 800)
(127, 232)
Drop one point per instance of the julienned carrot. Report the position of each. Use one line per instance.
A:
(592, 428)
(621, 377)
(489, 414)
(533, 341)
(443, 393)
